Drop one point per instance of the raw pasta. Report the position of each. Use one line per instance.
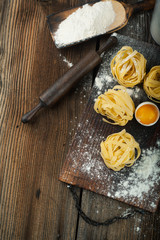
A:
(120, 150)
(151, 84)
(115, 104)
(128, 67)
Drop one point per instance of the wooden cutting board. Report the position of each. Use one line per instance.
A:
(138, 185)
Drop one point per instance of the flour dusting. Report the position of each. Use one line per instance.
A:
(138, 182)
(105, 81)
(137, 185)
(66, 61)
(143, 176)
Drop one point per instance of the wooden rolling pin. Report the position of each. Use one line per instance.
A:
(69, 79)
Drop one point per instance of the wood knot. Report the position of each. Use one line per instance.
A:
(38, 192)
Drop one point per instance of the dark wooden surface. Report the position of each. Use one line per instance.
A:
(33, 203)
(84, 166)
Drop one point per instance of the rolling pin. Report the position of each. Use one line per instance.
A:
(69, 79)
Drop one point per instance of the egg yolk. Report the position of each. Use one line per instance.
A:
(147, 114)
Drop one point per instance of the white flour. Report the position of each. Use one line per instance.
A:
(86, 22)
(140, 180)
(66, 61)
(138, 184)
(144, 175)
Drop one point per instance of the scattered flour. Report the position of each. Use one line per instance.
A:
(114, 34)
(136, 184)
(66, 61)
(131, 184)
(84, 152)
(146, 172)
(99, 82)
(86, 22)
(138, 229)
(144, 175)
(126, 213)
(105, 81)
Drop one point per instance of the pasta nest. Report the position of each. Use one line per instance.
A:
(120, 150)
(115, 104)
(128, 67)
(151, 84)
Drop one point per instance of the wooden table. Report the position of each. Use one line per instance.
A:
(33, 203)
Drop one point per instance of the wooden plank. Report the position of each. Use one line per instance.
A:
(100, 208)
(34, 204)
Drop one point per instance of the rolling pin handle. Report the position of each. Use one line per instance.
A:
(142, 6)
(28, 116)
(107, 45)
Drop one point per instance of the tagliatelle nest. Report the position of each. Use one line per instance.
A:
(120, 150)
(151, 84)
(128, 67)
(115, 104)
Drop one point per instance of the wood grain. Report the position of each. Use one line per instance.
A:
(34, 205)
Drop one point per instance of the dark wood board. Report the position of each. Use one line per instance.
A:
(84, 166)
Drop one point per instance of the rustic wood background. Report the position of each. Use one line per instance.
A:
(33, 203)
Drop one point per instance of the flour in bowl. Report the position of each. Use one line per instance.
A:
(88, 21)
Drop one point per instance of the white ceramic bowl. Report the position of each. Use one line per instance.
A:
(147, 103)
